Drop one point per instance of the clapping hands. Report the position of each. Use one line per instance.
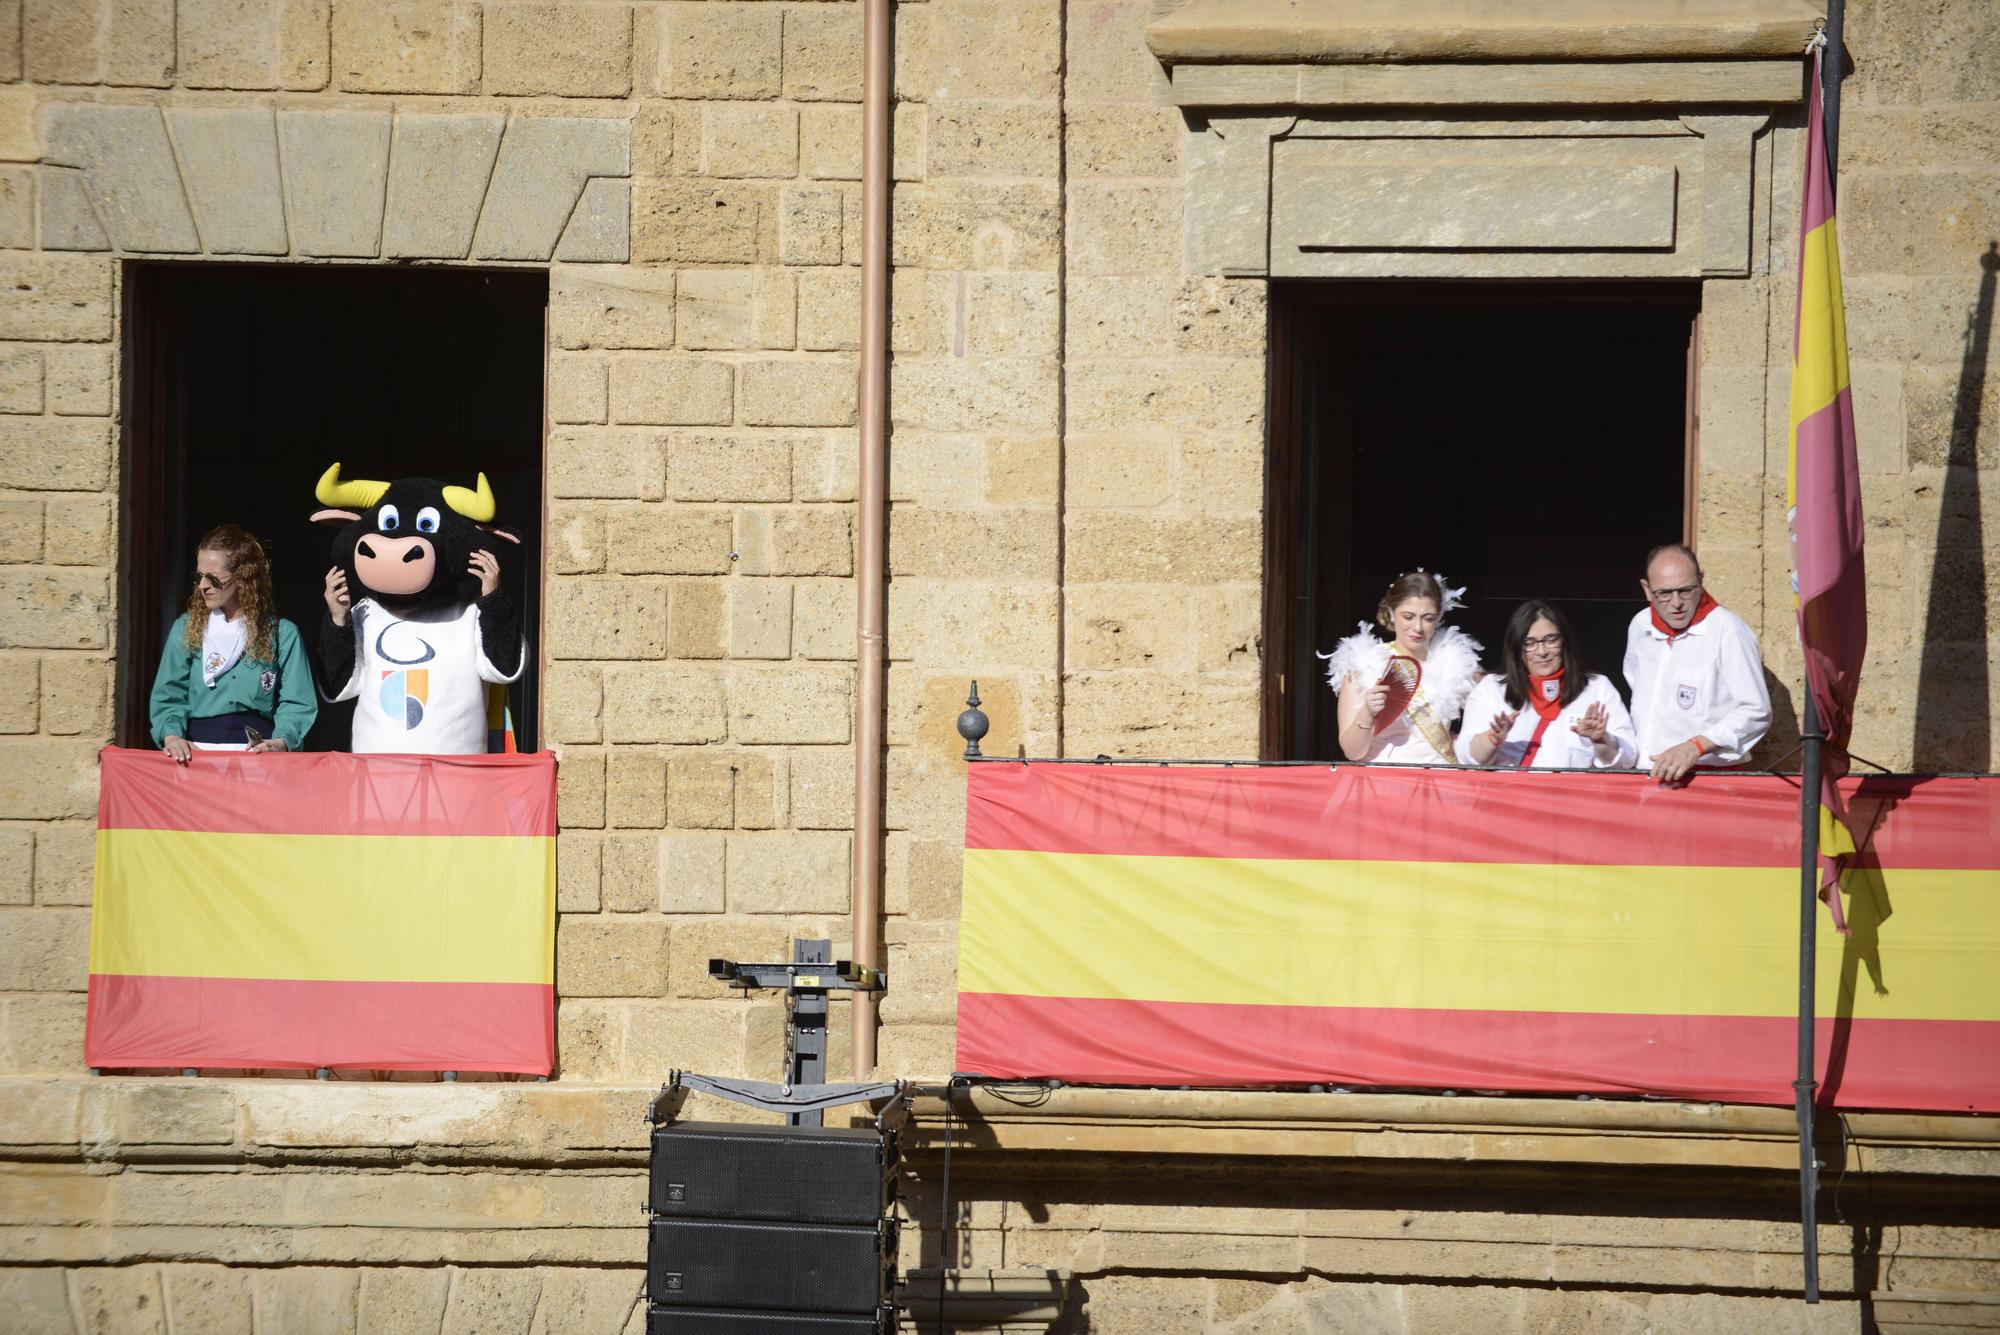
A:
(1593, 726)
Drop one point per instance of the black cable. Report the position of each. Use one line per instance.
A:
(1020, 1093)
(944, 1210)
(1846, 1153)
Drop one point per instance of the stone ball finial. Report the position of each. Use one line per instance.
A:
(973, 724)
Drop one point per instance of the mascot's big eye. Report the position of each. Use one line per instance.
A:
(427, 519)
(388, 519)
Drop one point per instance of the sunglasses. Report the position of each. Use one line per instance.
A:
(217, 582)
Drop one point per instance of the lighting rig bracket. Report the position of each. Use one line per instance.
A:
(803, 1097)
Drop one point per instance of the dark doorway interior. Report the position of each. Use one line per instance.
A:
(1528, 440)
(244, 383)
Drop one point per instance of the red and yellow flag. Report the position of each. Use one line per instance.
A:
(380, 912)
(1519, 931)
(1823, 482)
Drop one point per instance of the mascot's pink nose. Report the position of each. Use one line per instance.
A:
(394, 565)
(414, 549)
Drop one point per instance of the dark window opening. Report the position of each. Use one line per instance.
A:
(243, 383)
(1526, 439)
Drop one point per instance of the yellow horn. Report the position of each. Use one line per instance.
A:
(357, 493)
(476, 505)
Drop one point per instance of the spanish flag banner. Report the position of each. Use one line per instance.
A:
(1823, 488)
(379, 912)
(1518, 931)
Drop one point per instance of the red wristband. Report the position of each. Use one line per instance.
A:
(1699, 748)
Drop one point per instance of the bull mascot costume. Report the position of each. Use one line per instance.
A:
(417, 624)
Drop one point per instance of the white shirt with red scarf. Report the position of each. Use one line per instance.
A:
(1560, 746)
(1706, 681)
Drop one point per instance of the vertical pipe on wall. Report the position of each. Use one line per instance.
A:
(870, 571)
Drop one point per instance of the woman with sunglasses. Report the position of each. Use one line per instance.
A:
(1544, 709)
(233, 675)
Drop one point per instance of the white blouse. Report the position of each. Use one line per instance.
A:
(1450, 668)
(1562, 747)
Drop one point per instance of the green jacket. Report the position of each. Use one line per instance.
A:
(282, 690)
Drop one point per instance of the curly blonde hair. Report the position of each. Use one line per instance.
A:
(252, 572)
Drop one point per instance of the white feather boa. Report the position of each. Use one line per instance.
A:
(1451, 668)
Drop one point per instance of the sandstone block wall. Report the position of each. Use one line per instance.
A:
(269, 1206)
(1077, 472)
(1920, 232)
(1076, 478)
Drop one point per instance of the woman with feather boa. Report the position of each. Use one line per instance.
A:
(1381, 717)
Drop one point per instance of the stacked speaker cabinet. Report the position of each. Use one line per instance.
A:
(770, 1230)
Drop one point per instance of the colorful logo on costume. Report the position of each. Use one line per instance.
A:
(405, 659)
(267, 681)
(213, 661)
(403, 695)
(1684, 697)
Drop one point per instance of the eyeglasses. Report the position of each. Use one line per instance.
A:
(1671, 595)
(217, 582)
(1543, 642)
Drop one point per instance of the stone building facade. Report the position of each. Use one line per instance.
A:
(1092, 200)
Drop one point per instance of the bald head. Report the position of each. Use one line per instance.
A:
(1673, 584)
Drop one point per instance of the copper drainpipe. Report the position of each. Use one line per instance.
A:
(870, 572)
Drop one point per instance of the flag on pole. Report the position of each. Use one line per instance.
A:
(1823, 490)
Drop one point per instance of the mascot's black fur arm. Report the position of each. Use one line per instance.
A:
(499, 632)
(336, 651)
(428, 641)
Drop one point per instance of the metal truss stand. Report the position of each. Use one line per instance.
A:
(804, 1096)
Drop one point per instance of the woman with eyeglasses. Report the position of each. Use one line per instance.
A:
(1544, 709)
(234, 674)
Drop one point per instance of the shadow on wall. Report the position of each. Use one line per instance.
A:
(1954, 723)
(1780, 748)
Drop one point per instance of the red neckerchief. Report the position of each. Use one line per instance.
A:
(1701, 609)
(1547, 704)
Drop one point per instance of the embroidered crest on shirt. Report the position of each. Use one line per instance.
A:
(1684, 697)
(1550, 689)
(267, 681)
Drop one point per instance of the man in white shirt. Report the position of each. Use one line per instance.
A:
(1698, 694)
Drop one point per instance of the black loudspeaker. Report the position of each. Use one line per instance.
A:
(717, 1321)
(823, 1268)
(813, 1175)
(766, 1230)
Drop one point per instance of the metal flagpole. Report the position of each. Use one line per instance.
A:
(1805, 1087)
(1835, 67)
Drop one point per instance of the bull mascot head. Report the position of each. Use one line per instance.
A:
(409, 543)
